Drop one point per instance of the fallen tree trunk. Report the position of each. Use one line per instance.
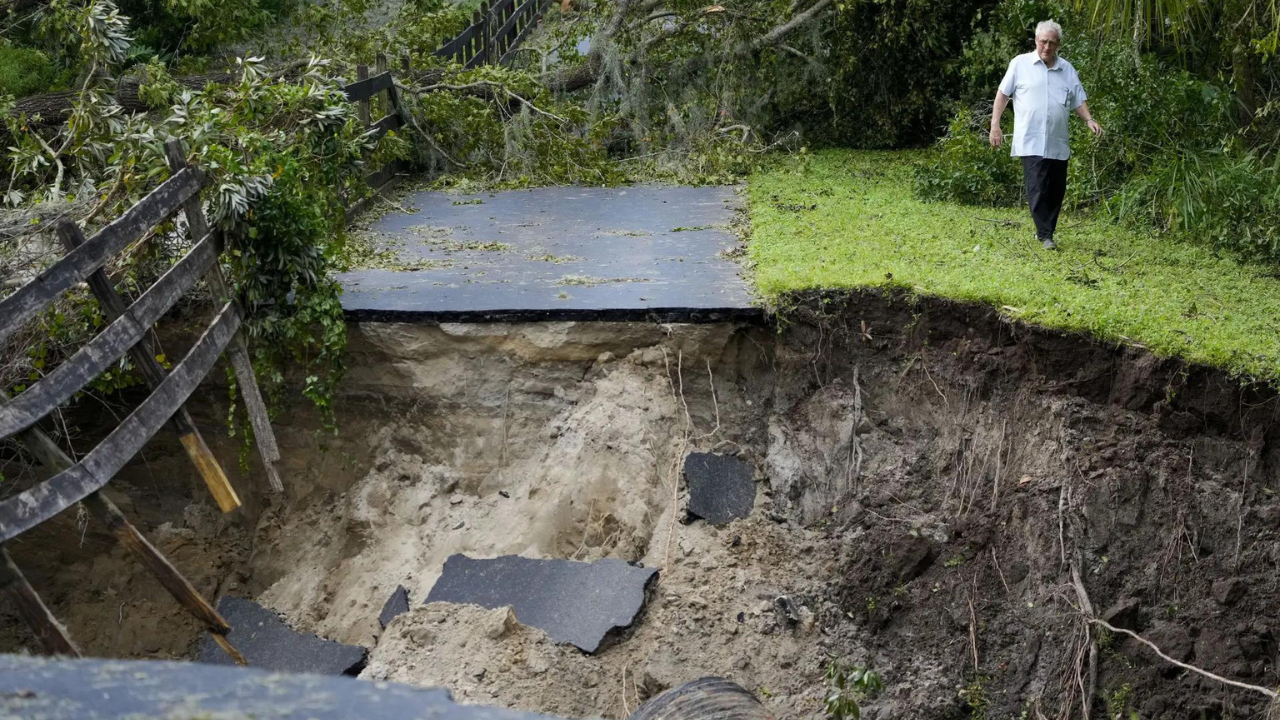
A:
(52, 109)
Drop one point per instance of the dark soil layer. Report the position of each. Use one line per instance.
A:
(933, 476)
(995, 459)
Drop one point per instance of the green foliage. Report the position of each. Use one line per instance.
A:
(1118, 702)
(1227, 199)
(24, 71)
(156, 86)
(503, 126)
(847, 685)
(197, 26)
(894, 70)
(974, 696)
(284, 158)
(966, 169)
(343, 29)
(1117, 283)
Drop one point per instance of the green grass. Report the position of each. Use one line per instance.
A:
(842, 219)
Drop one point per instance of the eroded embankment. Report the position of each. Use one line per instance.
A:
(929, 477)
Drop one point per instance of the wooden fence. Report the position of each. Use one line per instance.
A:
(129, 331)
(378, 95)
(495, 32)
(494, 35)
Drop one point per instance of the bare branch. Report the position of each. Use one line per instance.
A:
(775, 36)
(498, 86)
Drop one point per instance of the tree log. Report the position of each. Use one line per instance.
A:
(54, 108)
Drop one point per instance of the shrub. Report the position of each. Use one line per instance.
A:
(1230, 200)
(24, 71)
(965, 168)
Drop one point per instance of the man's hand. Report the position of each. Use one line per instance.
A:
(997, 109)
(1085, 115)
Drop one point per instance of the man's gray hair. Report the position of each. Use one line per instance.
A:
(1049, 26)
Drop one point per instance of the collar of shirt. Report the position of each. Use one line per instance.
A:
(1057, 63)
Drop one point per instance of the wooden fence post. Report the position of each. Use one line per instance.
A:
(50, 633)
(238, 351)
(362, 107)
(380, 66)
(143, 354)
(476, 46)
(486, 27)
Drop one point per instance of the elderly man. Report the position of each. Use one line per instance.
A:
(1045, 89)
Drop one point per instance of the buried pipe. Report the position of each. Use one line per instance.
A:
(708, 698)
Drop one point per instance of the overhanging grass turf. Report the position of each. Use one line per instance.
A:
(866, 229)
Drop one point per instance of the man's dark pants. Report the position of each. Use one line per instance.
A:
(1046, 181)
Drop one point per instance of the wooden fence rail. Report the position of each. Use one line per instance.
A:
(130, 332)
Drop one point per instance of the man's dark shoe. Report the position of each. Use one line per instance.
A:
(1050, 245)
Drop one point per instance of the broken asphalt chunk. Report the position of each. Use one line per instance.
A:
(268, 643)
(721, 488)
(396, 604)
(573, 602)
(64, 689)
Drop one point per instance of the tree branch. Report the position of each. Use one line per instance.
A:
(499, 86)
(775, 36)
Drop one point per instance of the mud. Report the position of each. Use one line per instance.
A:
(929, 476)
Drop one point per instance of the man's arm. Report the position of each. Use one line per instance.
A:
(1083, 112)
(997, 135)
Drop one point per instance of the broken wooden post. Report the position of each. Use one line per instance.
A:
(238, 351)
(50, 633)
(113, 306)
(45, 450)
(395, 102)
(362, 107)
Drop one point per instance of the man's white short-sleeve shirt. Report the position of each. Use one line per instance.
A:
(1043, 99)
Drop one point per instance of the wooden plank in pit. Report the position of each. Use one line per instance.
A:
(50, 633)
(51, 456)
(30, 299)
(32, 507)
(126, 331)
